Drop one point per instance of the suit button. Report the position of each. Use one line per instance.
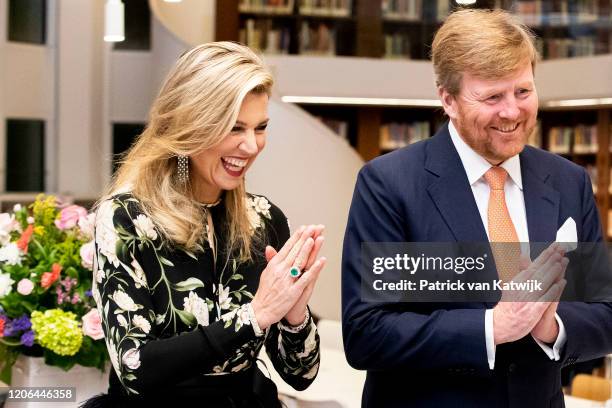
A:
(512, 368)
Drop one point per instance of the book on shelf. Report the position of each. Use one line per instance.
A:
(317, 38)
(559, 12)
(403, 10)
(559, 139)
(530, 12)
(585, 139)
(397, 45)
(339, 127)
(260, 35)
(266, 6)
(397, 135)
(326, 8)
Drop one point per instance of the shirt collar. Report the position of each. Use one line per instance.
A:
(476, 166)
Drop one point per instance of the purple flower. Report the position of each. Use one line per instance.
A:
(88, 293)
(15, 326)
(27, 338)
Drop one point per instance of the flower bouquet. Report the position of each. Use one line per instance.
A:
(46, 307)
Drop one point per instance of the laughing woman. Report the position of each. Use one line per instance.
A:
(193, 275)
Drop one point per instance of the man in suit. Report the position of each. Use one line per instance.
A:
(474, 181)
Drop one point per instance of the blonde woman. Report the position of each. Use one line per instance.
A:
(188, 279)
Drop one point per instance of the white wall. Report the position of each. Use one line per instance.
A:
(79, 96)
(309, 173)
(26, 87)
(363, 77)
(191, 21)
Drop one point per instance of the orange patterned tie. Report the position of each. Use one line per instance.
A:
(504, 240)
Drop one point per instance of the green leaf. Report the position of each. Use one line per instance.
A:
(189, 284)
(237, 276)
(190, 254)
(165, 261)
(186, 317)
(121, 249)
(63, 362)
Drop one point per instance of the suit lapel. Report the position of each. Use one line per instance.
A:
(541, 200)
(451, 191)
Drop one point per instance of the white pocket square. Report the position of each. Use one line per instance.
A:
(567, 235)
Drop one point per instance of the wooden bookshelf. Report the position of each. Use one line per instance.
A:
(403, 28)
(388, 29)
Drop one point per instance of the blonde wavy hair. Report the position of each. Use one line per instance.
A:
(196, 108)
(489, 44)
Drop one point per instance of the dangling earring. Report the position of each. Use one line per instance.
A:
(183, 169)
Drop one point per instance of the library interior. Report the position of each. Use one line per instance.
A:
(353, 81)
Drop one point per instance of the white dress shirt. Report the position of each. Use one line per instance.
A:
(475, 167)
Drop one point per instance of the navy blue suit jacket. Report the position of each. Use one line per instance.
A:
(434, 355)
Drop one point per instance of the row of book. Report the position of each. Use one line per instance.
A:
(266, 6)
(532, 12)
(335, 8)
(582, 138)
(315, 37)
(415, 10)
(562, 12)
(397, 135)
(261, 35)
(397, 45)
(339, 127)
(552, 48)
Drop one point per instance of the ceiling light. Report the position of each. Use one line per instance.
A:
(114, 13)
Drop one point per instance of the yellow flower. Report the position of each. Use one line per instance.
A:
(58, 331)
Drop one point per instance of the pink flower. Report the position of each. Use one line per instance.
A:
(69, 217)
(25, 286)
(87, 255)
(92, 325)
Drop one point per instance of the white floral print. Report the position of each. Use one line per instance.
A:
(131, 358)
(106, 236)
(254, 218)
(197, 307)
(224, 298)
(145, 228)
(124, 301)
(121, 320)
(142, 323)
(261, 205)
(140, 280)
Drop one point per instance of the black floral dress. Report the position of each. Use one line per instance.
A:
(177, 322)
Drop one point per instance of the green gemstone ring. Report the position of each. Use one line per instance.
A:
(294, 272)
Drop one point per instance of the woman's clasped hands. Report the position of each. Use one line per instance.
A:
(281, 295)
